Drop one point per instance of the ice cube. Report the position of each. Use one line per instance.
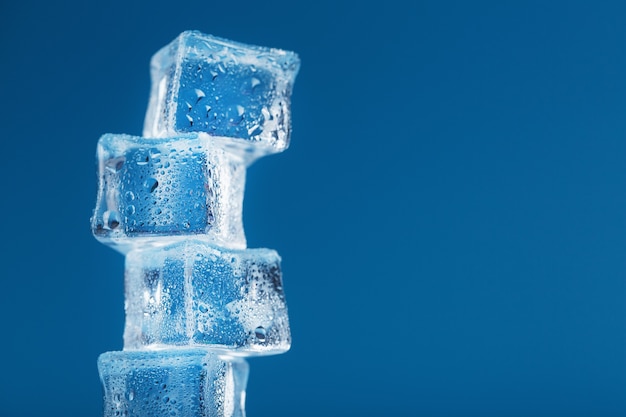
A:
(175, 187)
(194, 294)
(201, 83)
(182, 383)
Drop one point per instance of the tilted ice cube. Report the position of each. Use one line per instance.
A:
(180, 186)
(181, 383)
(201, 83)
(194, 294)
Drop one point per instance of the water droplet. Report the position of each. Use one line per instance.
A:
(190, 120)
(99, 226)
(203, 308)
(142, 158)
(189, 106)
(130, 210)
(115, 164)
(208, 109)
(254, 130)
(112, 219)
(166, 400)
(199, 94)
(254, 82)
(260, 333)
(131, 395)
(214, 74)
(129, 195)
(151, 184)
(240, 110)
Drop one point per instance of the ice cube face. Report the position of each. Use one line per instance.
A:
(179, 186)
(201, 83)
(182, 383)
(194, 294)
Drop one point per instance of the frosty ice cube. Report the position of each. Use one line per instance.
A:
(201, 83)
(194, 294)
(179, 186)
(182, 383)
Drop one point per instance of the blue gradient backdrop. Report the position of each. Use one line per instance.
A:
(451, 214)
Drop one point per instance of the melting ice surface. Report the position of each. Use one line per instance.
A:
(201, 83)
(193, 294)
(153, 190)
(172, 383)
(197, 300)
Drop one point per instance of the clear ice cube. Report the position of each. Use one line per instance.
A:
(175, 187)
(181, 383)
(201, 83)
(194, 294)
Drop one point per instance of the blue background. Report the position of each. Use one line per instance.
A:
(451, 213)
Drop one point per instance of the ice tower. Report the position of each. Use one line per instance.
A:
(197, 300)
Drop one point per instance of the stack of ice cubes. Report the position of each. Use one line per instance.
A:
(197, 300)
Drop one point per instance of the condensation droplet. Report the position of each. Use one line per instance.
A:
(115, 164)
(151, 184)
(189, 106)
(199, 94)
(190, 120)
(131, 395)
(240, 110)
(266, 113)
(142, 159)
(112, 219)
(208, 109)
(254, 130)
(130, 210)
(260, 333)
(129, 195)
(254, 82)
